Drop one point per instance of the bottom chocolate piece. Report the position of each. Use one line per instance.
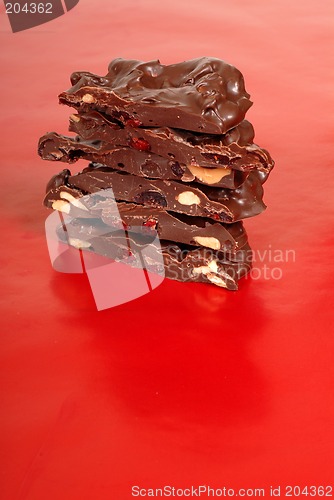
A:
(180, 262)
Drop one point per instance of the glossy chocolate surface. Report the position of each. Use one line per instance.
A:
(205, 95)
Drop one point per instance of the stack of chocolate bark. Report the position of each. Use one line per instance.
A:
(173, 144)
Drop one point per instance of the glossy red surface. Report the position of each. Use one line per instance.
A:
(188, 384)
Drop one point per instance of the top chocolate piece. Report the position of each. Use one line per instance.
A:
(204, 95)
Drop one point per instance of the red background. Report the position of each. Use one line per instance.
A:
(189, 384)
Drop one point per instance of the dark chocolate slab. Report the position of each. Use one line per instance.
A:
(168, 225)
(181, 262)
(233, 150)
(224, 205)
(205, 95)
(56, 147)
(175, 227)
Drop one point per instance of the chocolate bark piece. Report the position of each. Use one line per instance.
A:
(168, 225)
(197, 231)
(224, 205)
(181, 262)
(204, 95)
(56, 147)
(233, 150)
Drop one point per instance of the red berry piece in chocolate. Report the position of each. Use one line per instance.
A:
(133, 122)
(150, 223)
(139, 144)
